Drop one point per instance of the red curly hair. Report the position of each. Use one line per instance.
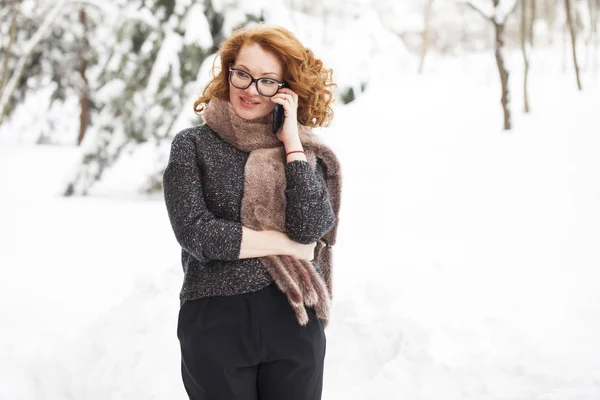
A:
(304, 73)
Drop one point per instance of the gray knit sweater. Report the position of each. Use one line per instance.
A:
(203, 188)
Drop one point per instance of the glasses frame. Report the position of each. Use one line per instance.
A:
(254, 80)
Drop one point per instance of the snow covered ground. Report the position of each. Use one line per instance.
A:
(467, 265)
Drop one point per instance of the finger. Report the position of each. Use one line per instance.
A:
(294, 97)
(289, 98)
(291, 93)
(288, 92)
(284, 100)
(283, 95)
(280, 100)
(288, 109)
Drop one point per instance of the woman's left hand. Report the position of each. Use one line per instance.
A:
(288, 133)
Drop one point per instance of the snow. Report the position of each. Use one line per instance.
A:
(196, 29)
(167, 59)
(133, 12)
(494, 260)
(475, 276)
(36, 117)
(481, 252)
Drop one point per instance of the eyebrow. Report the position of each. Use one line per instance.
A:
(265, 73)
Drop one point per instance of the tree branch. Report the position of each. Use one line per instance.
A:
(471, 5)
(507, 14)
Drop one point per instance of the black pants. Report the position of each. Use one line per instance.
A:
(250, 347)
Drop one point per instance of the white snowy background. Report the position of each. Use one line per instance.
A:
(468, 257)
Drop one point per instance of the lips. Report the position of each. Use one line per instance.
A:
(248, 103)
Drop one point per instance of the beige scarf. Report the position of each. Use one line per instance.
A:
(263, 202)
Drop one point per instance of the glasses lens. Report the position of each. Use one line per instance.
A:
(240, 79)
(267, 87)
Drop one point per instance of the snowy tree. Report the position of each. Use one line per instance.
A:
(16, 56)
(149, 77)
(45, 62)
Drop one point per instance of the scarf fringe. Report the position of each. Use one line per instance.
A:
(301, 283)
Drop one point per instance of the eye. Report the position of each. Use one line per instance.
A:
(242, 74)
(268, 82)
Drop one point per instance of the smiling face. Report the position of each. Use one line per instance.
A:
(248, 103)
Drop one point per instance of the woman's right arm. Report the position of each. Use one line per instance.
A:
(265, 243)
(197, 230)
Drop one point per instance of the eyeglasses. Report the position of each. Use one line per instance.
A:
(265, 86)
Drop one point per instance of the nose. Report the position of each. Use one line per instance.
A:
(252, 90)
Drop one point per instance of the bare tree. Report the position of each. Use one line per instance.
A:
(525, 50)
(573, 40)
(426, 29)
(497, 16)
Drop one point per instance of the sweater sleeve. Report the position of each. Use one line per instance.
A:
(309, 214)
(196, 229)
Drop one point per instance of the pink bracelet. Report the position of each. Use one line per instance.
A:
(295, 151)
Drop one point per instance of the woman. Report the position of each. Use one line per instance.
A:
(240, 337)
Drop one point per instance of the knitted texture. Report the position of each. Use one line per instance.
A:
(203, 185)
(265, 202)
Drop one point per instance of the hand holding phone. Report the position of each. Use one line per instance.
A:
(278, 116)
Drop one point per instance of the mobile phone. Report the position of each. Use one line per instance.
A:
(278, 115)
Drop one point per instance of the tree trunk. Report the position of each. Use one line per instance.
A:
(565, 46)
(84, 87)
(499, 46)
(523, 34)
(11, 39)
(425, 43)
(532, 16)
(593, 5)
(547, 17)
(596, 6)
(573, 41)
(499, 21)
